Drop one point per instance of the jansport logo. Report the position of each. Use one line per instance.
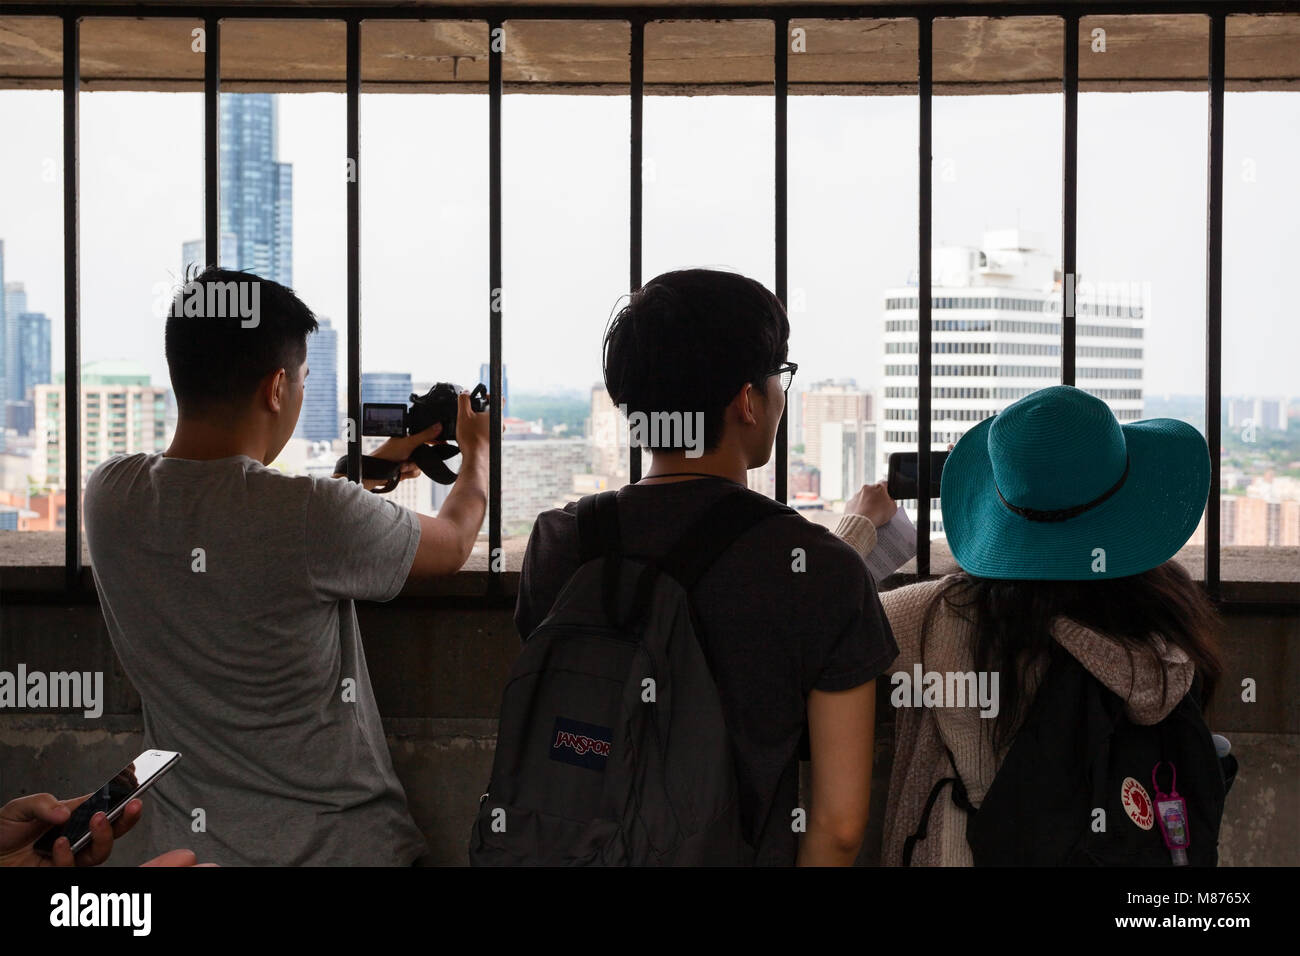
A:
(583, 745)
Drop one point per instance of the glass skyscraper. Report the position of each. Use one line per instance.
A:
(319, 420)
(33, 351)
(385, 387)
(256, 192)
(26, 337)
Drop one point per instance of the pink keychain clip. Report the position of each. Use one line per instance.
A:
(1171, 811)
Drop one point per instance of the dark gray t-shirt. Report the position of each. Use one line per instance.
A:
(771, 633)
(253, 667)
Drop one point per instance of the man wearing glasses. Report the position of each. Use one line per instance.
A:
(789, 618)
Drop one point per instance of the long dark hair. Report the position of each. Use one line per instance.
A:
(1013, 623)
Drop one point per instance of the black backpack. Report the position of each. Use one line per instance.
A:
(1077, 753)
(612, 747)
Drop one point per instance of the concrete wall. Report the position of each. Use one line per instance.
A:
(438, 671)
(1017, 53)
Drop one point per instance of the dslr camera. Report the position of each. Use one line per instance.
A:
(438, 406)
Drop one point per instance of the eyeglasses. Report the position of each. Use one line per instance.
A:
(786, 372)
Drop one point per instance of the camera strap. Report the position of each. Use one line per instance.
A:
(431, 460)
(373, 469)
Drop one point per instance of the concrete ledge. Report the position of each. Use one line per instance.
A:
(444, 766)
(877, 55)
(33, 561)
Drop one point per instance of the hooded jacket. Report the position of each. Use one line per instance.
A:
(1150, 689)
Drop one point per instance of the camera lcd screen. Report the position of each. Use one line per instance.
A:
(384, 418)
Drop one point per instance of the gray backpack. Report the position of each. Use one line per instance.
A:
(612, 748)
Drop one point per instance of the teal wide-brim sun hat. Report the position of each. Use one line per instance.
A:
(1054, 488)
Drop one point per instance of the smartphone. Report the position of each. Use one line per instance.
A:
(131, 781)
(902, 474)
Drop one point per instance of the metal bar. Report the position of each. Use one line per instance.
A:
(1070, 199)
(211, 143)
(518, 11)
(354, 246)
(496, 41)
(1214, 299)
(781, 49)
(925, 91)
(636, 181)
(71, 302)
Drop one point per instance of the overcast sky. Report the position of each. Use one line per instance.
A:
(708, 202)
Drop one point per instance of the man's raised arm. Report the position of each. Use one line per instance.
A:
(447, 540)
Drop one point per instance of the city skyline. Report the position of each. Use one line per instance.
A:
(25, 359)
(852, 234)
(424, 293)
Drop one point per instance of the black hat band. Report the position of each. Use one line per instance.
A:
(1064, 514)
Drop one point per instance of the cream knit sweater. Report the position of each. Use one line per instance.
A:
(920, 733)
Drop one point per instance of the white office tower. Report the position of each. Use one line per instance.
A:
(996, 337)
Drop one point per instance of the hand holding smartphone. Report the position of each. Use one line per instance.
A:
(131, 781)
(902, 482)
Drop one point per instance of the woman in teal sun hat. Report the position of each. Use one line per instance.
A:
(1055, 489)
(1063, 522)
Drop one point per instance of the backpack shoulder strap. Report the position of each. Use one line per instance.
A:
(598, 532)
(693, 554)
(598, 537)
(715, 531)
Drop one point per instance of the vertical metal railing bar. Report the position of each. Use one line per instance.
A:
(354, 245)
(1214, 296)
(211, 141)
(781, 35)
(925, 90)
(496, 39)
(635, 182)
(71, 300)
(1070, 199)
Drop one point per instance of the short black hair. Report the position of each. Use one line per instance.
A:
(216, 354)
(689, 340)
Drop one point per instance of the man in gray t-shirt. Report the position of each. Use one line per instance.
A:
(227, 589)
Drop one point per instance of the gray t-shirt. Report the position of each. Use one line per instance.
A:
(227, 589)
